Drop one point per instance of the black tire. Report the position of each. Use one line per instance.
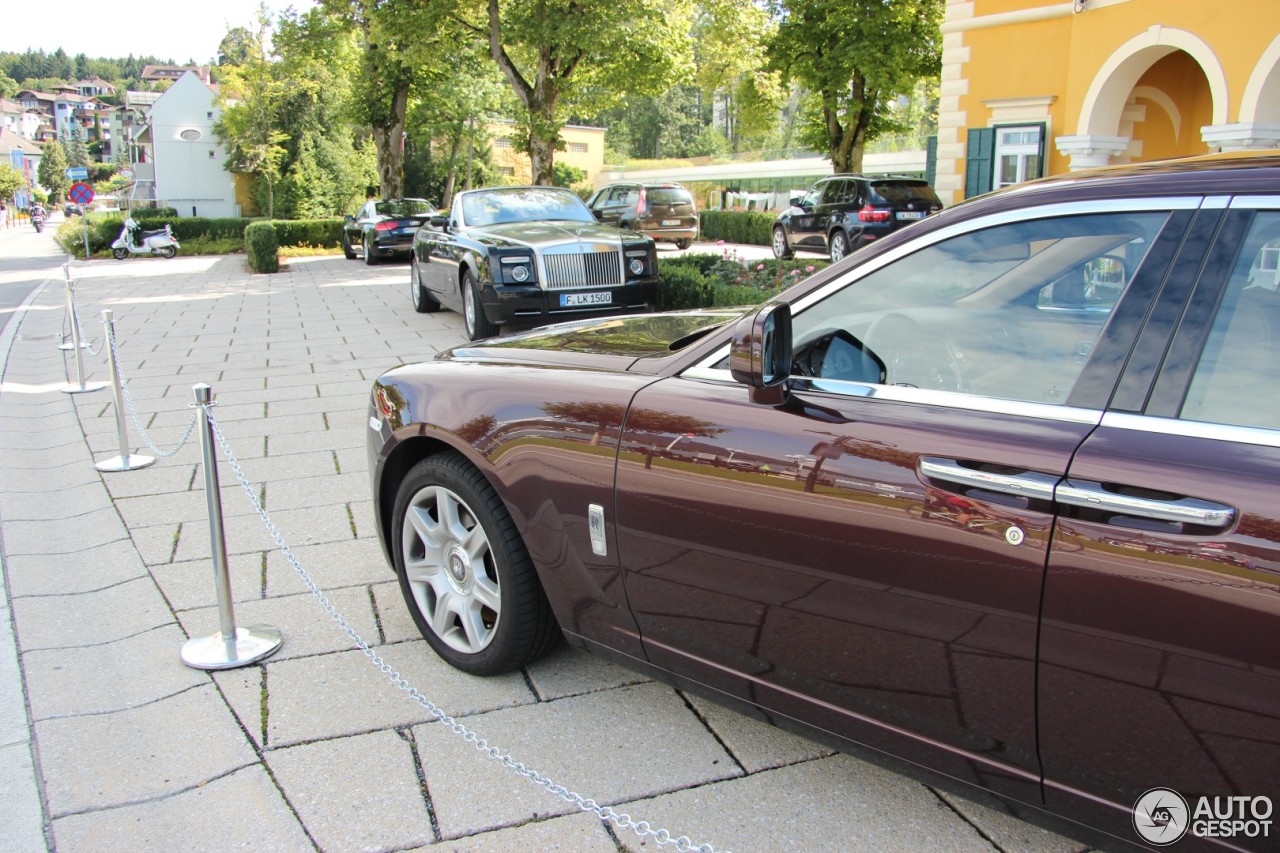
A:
(684, 243)
(370, 254)
(475, 596)
(781, 248)
(167, 251)
(478, 325)
(119, 254)
(839, 246)
(423, 302)
(349, 252)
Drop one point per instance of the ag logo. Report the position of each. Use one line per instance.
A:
(1161, 816)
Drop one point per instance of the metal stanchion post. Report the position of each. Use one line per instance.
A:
(125, 461)
(71, 317)
(75, 345)
(231, 646)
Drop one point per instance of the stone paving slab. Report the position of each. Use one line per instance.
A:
(357, 792)
(242, 811)
(339, 694)
(644, 741)
(86, 530)
(89, 618)
(580, 833)
(89, 570)
(110, 677)
(155, 750)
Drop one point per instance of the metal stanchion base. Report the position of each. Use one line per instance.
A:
(81, 389)
(69, 345)
(125, 463)
(213, 652)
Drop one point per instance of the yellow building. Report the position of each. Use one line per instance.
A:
(1042, 87)
(583, 149)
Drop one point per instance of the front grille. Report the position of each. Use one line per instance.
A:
(590, 269)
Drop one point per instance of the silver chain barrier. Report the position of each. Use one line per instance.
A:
(133, 410)
(75, 318)
(605, 813)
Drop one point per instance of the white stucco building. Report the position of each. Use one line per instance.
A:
(186, 157)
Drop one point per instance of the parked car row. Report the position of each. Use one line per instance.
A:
(994, 498)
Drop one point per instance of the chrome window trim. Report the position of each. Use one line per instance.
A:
(1077, 208)
(1255, 202)
(921, 396)
(1192, 429)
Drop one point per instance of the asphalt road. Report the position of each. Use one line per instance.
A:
(26, 259)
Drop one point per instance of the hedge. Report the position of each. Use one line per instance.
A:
(735, 226)
(262, 247)
(317, 233)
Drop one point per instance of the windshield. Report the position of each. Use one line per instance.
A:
(404, 207)
(523, 204)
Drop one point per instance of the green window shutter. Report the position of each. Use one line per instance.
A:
(931, 159)
(979, 161)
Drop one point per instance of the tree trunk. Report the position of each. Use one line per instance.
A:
(451, 177)
(388, 141)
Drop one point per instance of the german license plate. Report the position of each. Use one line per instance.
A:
(671, 222)
(570, 300)
(911, 214)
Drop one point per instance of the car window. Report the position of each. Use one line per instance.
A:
(618, 195)
(813, 196)
(669, 195)
(902, 192)
(404, 207)
(1010, 311)
(1237, 371)
(837, 192)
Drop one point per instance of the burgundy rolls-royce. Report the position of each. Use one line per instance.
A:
(996, 498)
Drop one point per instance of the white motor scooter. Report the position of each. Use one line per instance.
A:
(133, 241)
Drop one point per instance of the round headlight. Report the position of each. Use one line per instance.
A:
(520, 273)
(636, 266)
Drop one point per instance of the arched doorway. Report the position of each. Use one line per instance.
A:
(1149, 101)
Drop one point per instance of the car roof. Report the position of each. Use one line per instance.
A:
(1231, 173)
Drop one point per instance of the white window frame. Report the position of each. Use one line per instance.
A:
(1020, 149)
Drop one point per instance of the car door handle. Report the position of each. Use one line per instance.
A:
(1028, 484)
(1181, 510)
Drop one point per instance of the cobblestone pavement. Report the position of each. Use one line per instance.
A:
(106, 575)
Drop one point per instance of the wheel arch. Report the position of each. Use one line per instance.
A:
(396, 466)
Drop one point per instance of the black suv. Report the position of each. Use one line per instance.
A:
(661, 211)
(846, 212)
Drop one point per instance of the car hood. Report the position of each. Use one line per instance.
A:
(548, 233)
(607, 342)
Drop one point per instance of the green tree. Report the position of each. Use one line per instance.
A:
(855, 57)
(8, 86)
(77, 150)
(247, 126)
(11, 180)
(52, 172)
(566, 56)
(731, 40)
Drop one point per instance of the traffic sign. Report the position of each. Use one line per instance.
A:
(81, 193)
(77, 173)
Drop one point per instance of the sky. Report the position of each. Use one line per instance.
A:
(179, 30)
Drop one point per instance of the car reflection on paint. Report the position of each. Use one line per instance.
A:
(949, 503)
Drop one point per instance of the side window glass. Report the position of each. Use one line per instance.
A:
(1236, 375)
(813, 196)
(1010, 311)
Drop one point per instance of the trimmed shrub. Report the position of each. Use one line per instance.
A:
(141, 213)
(318, 233)
(736, 226)
(681, 286)
(262, 247)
